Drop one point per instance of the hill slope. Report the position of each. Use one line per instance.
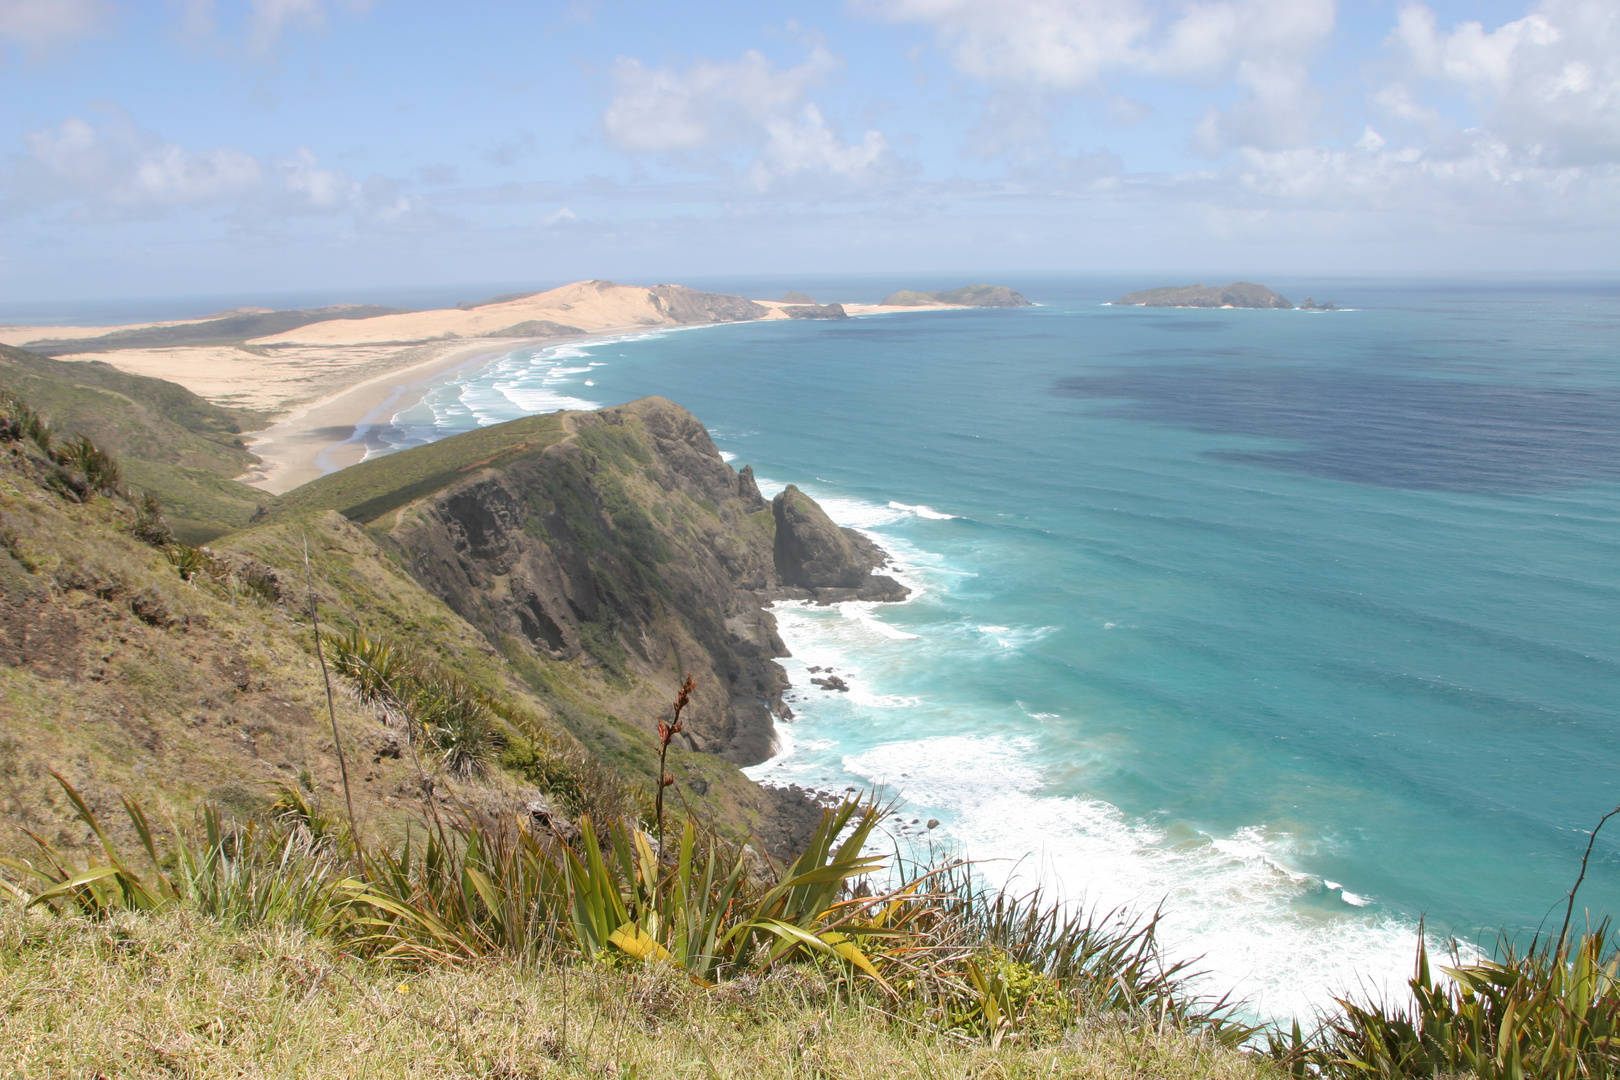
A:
(181, 447)
(568, 569)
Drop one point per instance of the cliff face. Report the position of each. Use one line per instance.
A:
(627, 546)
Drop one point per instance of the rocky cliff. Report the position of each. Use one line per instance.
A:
(619, 543)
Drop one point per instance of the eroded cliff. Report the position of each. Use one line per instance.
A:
(619, 548)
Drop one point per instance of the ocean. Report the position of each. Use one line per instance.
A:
(1300, 626)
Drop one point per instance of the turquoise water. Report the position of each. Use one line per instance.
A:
(1307, 625)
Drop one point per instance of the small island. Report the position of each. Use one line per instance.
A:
(967, 296)
(1239, 294)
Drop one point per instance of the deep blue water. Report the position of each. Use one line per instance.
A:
(1307, 625)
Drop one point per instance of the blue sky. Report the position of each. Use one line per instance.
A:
(211, 146)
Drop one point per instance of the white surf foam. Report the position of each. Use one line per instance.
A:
(1230, 902)
(1243, 906)
(922, 511)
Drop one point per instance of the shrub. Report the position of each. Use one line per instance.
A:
(1552, 1010)
(449, 714)
(97, 470)
(188, 561)
(18, 422)
(150, 526)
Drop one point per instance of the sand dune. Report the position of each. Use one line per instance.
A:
(584, 306)
(271, 381)
(325, 377)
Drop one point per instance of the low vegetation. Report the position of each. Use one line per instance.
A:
(1550, 1011)
(168, 441)
(928, 973)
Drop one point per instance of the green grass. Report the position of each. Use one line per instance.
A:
(371, 489)
(180, 994)
(170, 442)
(931, 964)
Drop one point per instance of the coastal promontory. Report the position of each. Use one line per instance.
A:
(1239, 294)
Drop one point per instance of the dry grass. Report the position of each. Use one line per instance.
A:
(177, 995)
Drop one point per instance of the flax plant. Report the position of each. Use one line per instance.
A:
(666, 734)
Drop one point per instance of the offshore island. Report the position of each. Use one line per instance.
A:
(1239, 294)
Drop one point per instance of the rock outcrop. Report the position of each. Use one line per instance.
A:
(816, 311)
(814, 558)
(1239, 294)
(685, 305)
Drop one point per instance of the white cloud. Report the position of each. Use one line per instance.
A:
(39, 24)
(1072, 46)
(712, 107)
(272, 17)
(267, 20)
(117, 171)
(1547, 85)
(1063, 47)
(805, 144)
(711, 103)
(1060, 45)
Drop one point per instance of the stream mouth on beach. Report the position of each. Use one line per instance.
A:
(1257, 615)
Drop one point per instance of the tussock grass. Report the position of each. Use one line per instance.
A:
(178, 994)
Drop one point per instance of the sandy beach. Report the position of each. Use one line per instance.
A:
(320, 382)
(314, 439)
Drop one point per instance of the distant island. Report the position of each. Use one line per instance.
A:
(967, 296)
(1239, 294)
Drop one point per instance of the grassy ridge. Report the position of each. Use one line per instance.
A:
(367, 491)
(182, 448)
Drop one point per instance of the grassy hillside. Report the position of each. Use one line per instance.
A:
(181, 996)
(365, 492)
(180, 447)
(129, 672)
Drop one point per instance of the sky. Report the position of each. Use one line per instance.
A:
(212, 146)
